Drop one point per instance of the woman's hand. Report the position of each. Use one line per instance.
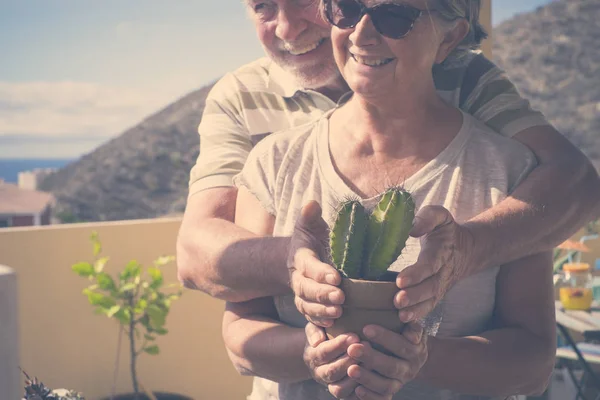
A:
(381, 376)
(328, 361)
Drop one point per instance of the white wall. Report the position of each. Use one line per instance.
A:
(9, 335)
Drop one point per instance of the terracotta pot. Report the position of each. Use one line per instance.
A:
(141, 396)
(367, 302)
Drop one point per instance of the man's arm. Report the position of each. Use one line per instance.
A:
(555, 200)
(223, 259)
(517, 356)
(213, 254)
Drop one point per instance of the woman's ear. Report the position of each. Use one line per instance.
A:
(452, 38)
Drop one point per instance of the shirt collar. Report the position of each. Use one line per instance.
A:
(282, 82)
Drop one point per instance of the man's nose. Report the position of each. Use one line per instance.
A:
(290, 23)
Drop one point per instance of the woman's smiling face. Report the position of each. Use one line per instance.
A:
(376, 65)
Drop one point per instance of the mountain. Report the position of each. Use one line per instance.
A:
(553, 57)
(142, 173)
(551, 54)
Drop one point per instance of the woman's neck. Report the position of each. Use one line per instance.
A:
(412, 125)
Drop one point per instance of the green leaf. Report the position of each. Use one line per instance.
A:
(106, 282)
(113, 310)
(161, 331)
(132, 269)
(151, 350)
(148, 336)
(98, 299)
(164, 260)
(157, 277)
(123, 316)
(157, 316)
(99, 264)
(140, 306)
(97, 247)
(127, 287)
(84, 269)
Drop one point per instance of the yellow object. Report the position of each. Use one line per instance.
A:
(576, 267)
(576, 298)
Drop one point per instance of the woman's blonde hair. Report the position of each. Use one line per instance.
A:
(451, 10)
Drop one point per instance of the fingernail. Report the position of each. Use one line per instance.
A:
(403, 299)
(314, 339)
(331, 279)
(357, 353)
(404, 282)
(332, 311)
(335, 297)
(351, 340)
(407, 316)
(369, 332)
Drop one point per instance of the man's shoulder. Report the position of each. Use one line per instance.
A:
(253, 76)
(492, 148)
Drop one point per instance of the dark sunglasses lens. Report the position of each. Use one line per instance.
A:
(344, 13)
(394, 20)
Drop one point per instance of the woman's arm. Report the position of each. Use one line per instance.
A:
(257, 343)
(517, 356)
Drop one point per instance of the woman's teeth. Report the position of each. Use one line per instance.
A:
(372, 62)
(303, 50)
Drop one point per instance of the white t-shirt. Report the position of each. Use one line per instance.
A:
(476, 171)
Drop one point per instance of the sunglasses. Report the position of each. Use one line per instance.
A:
(392, 20)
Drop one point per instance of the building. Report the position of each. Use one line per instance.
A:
(31, 179)
(24, 207)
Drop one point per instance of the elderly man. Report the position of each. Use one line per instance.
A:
(298, 82)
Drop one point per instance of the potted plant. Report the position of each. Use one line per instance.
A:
(362, 247)
(36, 390)
(137, 302)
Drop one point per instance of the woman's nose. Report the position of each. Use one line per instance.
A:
(364, 33)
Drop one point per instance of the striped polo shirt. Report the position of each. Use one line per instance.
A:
(260, 98)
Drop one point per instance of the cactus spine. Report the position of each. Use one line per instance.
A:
(363, 246)
(347, 238)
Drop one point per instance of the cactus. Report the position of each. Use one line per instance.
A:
(363, 245)
(389, 225)
(347, 238)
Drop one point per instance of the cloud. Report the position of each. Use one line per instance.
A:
(68, 109)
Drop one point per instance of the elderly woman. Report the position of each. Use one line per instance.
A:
(493, 334)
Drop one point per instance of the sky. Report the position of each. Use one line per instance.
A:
(75, 73)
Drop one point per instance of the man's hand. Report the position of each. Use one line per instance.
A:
(328, 361)
(447, 251)
(379, 375)
(313, 281)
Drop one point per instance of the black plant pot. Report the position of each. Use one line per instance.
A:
(143, 396)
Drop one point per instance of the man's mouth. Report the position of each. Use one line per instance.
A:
(298, 51)
(371, 61)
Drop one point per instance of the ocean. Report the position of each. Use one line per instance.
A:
(10, 168)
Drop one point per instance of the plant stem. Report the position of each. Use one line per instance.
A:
(116, 374)
(132, 351)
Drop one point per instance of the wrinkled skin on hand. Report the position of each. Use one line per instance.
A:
(354, 370)
(313, 282)
(447, 253)
(380, 376)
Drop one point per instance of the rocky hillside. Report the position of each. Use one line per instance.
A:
(553, 56)
(142, 173)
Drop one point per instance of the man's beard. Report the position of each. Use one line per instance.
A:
(319, 74)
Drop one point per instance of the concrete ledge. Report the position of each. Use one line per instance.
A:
(9, 336)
